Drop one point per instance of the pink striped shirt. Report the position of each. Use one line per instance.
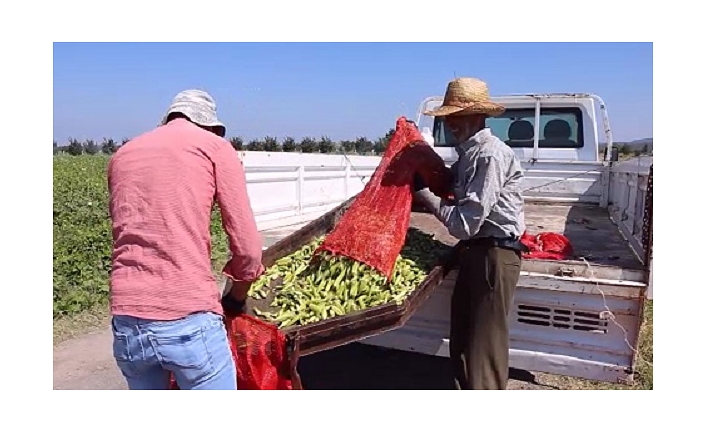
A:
(163, 185)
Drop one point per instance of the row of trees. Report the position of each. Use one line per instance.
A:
(360, 145)
(76, 147)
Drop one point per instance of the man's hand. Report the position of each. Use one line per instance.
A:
(428, 199)
(234, 302)
(418, 183)
(231, 307)
(239, 290)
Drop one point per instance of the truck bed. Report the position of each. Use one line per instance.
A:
(590, 230)
(593, 235)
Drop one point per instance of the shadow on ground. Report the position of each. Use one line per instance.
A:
(359, 366)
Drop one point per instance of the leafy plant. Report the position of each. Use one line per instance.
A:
(82, 238)
(270, 144)
(363, 145)
(109, 146)
(91, 147)
(255, 145)
(289, 145)
(237, 143)
(308, 145)
(326, 145)
(75, 147)
(348, 147)
(382, 143)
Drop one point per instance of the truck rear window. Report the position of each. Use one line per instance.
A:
(558, 128)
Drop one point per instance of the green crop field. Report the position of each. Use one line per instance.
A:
(82, 235)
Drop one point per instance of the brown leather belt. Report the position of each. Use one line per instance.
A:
(508, 243)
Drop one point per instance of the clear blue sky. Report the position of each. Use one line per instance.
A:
(342, 90)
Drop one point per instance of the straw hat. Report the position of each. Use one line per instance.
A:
(467, 96)
(199, 107)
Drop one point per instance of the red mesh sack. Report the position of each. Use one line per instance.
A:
(374, 228)
(260, 355)
(548, 245)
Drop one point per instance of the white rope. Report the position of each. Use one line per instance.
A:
(611, 316)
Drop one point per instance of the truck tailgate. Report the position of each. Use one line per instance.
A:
(578, 317)
(340, 330)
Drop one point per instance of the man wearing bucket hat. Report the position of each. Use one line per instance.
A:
(167, 308)
(486, 214)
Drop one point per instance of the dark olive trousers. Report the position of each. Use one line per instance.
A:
(480, 306)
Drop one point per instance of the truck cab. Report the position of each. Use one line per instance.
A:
(561, 127)
(578, 317)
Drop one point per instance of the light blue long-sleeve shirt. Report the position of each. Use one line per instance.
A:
(488, 197)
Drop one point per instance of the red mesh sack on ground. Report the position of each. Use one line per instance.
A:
(260, 354)
(374, 228)
(548, 245)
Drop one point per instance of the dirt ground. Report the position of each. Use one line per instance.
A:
(83, 360)
(86, 362)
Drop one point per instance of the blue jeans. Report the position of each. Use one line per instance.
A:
(195, 349)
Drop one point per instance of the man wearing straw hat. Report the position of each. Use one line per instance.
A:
(486, 214)
(167, 308)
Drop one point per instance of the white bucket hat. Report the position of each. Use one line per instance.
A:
(199, 107)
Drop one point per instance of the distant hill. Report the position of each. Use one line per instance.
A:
(636, 145)
(636, 142)
(640, 143)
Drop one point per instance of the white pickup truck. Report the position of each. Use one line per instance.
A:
(581, 317)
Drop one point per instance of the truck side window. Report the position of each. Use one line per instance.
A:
(558, 128)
